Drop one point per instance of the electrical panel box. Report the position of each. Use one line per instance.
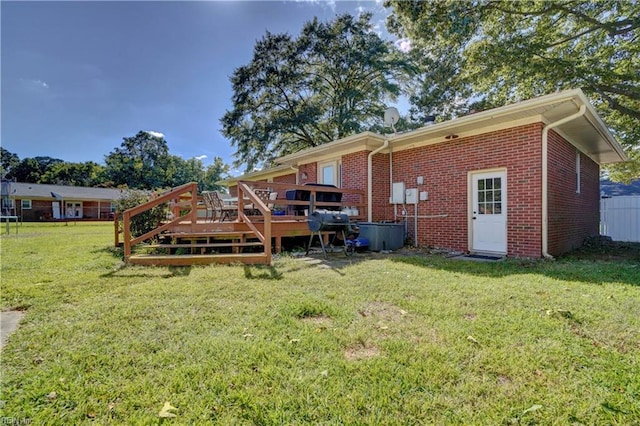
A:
(424, 195)
(411, 196)
(397, 195)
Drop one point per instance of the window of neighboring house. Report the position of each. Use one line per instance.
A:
(329, 173)
(113, 208)
(26, 205)
(577, 172)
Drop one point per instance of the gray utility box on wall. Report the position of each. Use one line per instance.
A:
(382, 236)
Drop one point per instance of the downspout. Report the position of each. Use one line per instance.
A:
(370, 178)
(545, 179)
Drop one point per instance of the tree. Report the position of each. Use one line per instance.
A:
(75, 174)
(493, 52)
(31, 170)
(215, 172)
(183, 171)
(9, 160)
(330, 82)
(141, 162)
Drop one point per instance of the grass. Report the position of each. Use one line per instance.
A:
(370, 340)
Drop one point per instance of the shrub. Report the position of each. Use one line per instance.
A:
(145, 221)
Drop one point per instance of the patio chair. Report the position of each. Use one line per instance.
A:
(264, 196)
(214, 202)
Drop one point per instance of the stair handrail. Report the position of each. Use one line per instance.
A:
(191, 187)
(265, 238)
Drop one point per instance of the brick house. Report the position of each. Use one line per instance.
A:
(36, 202)
(520, 180)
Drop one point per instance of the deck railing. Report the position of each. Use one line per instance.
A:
(349, 197)
(175, 193)
(246, 192)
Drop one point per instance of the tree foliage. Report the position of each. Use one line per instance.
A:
(193, 170)
(31, 170)
(8, 160)
(74, 174)
(332, 81)
(142, 162)
(494, 52)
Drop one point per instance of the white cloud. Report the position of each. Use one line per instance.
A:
(155, 134)
(331, 4)
(201, 157)
(404, 45)
(34, 84)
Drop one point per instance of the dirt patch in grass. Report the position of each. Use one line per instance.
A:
(382, 311)
(320, 320)
(358, 352)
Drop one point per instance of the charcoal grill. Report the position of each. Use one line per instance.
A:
(326, 221)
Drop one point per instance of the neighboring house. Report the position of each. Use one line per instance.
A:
(35, 202)
(521, 180)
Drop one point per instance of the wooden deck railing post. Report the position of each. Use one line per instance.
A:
(116, 229)
(194, 203)
(126, 223)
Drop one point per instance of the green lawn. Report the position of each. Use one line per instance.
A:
(374, 340)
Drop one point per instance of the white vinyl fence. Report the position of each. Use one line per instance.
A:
(620, 218)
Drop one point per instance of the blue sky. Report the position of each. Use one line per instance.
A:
(77, 77)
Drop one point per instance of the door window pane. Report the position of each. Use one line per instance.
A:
(489, 196)
(327, 175)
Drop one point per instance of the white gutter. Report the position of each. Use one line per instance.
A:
(370, 178)
(545, 179)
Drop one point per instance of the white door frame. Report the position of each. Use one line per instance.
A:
(498, 232)
(73, 209)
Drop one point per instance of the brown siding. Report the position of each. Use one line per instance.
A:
(572, 216)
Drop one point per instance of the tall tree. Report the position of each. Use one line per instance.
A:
(332, 81)
(506, 51)
(141, 162)
(8, 160)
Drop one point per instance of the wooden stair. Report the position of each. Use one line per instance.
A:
(200, 248)
(198, 259)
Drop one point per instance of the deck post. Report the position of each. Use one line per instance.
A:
(116, 230)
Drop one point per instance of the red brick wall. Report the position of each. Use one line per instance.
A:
(311, 170)
(445, 170)
(42, 210)
(572, 216)
(290, 178)
(354, 176)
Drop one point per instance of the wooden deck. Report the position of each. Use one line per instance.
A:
(248, 239)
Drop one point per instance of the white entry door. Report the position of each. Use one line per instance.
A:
(55, 206)
(489, 212)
